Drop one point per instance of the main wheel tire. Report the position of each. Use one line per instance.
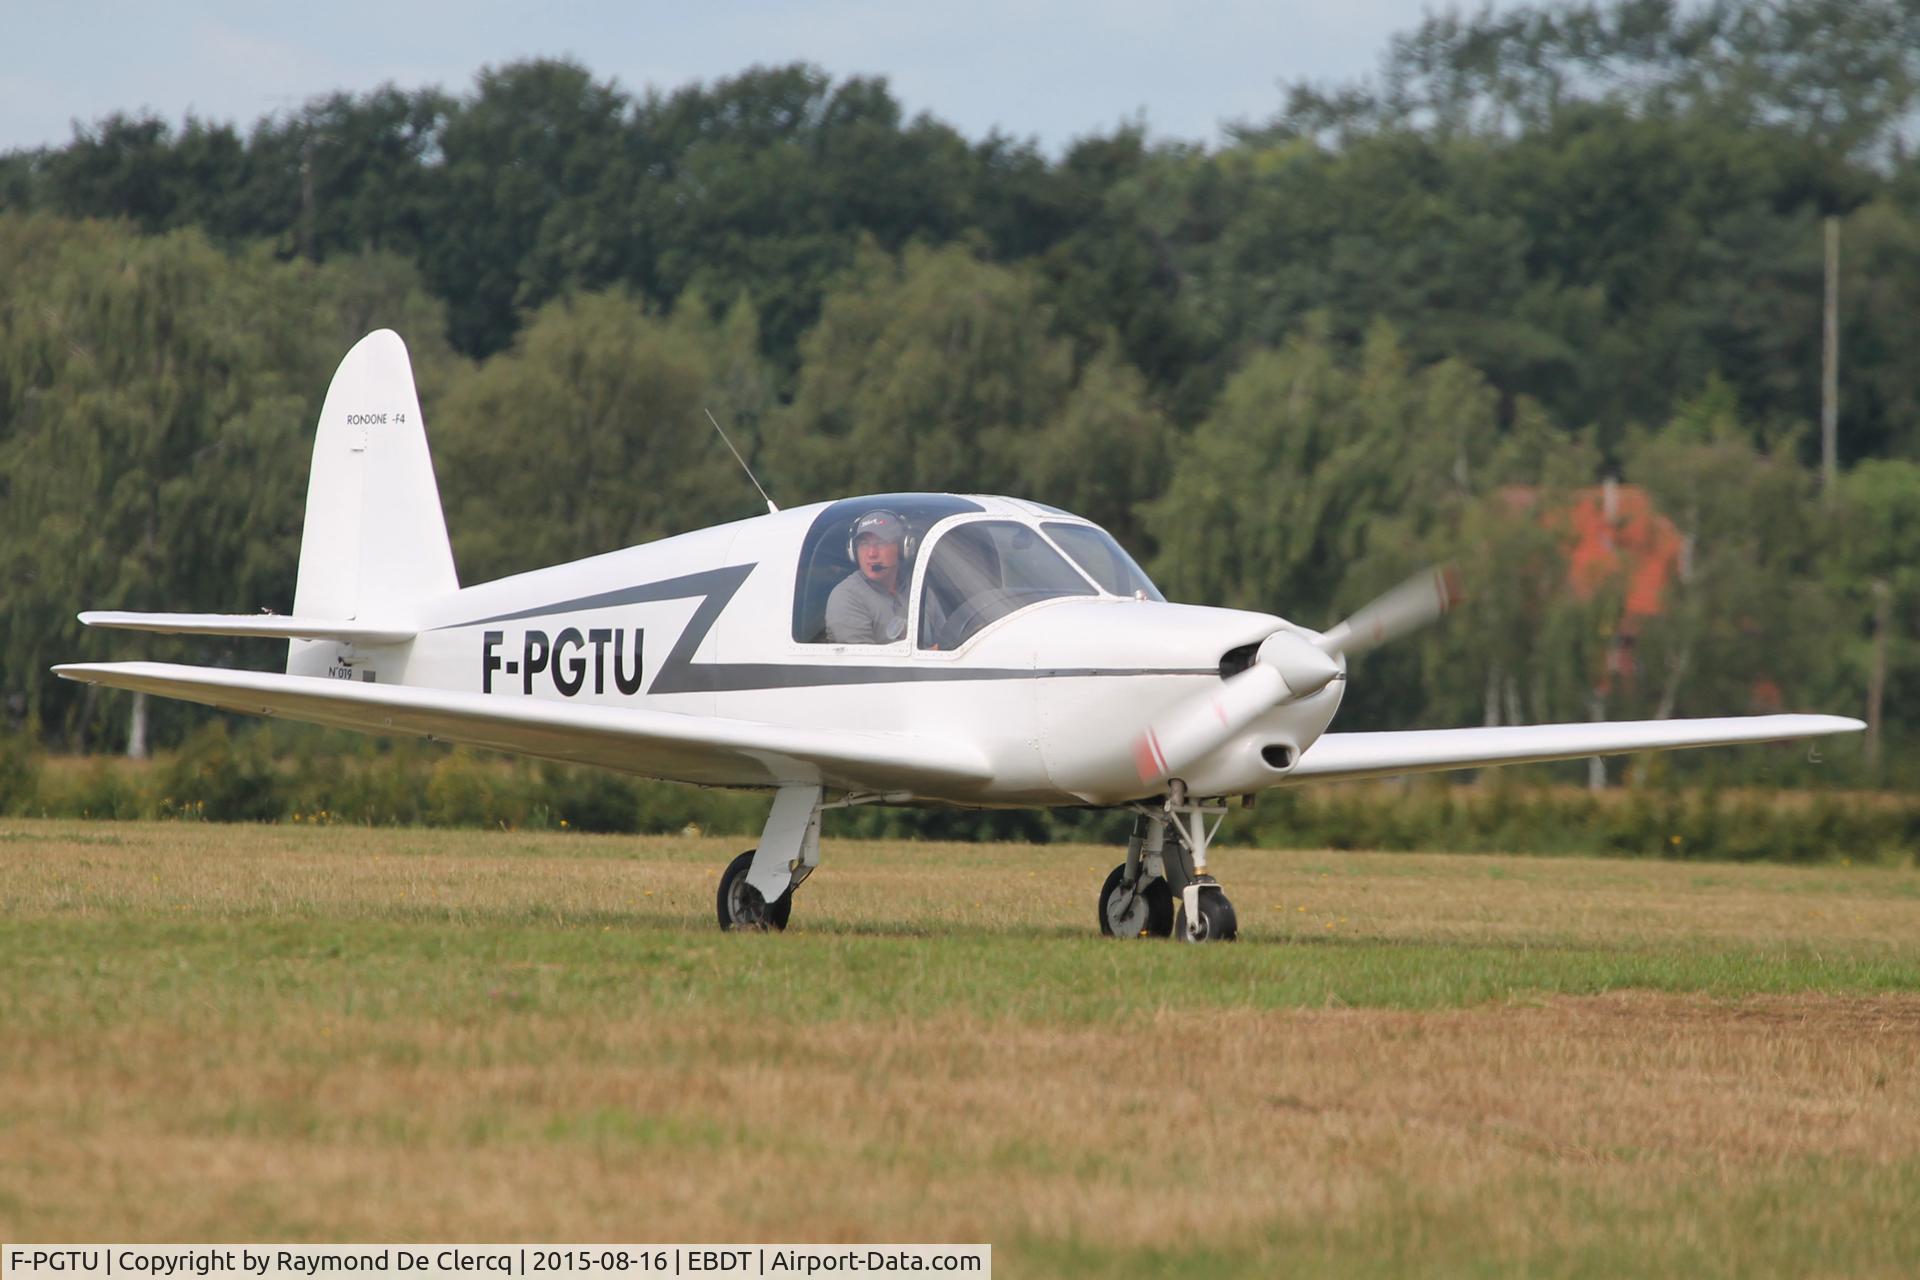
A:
(1217, 922)
(740, 906)
(1150, 913)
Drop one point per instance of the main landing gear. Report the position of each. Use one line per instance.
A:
(1164, 890)
(756, 891)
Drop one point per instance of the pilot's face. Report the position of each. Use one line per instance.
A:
(879, 560)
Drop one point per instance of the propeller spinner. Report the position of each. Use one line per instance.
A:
(1287, 667)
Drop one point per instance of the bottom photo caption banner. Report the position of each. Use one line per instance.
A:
(478, 1262)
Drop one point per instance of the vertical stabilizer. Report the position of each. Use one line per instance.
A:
(375, 542)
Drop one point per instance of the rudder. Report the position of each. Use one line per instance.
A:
(374, 542)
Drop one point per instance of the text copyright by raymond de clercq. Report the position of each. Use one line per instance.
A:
(483, 1262)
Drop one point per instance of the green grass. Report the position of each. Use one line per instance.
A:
(111, 968)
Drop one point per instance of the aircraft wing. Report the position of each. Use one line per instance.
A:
(707, 750)
(1337, 756)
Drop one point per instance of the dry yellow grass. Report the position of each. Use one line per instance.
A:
(953, 1128)
(275, 1033)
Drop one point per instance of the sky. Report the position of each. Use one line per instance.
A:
(1051, 70)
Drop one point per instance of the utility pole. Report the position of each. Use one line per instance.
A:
(306, 194)
(1877, 674)
(1830, 366)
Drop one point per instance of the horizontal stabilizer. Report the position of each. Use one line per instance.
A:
(1338, 756)
(707, 750)
(270, 626)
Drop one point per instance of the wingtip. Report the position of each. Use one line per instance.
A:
(1819, 722)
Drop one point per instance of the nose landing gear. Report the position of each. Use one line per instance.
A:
(1161, 892)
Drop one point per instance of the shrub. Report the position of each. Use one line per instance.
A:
(589, 799)
(223, 778)
(460, 793)
(107, 789)
(19, 772)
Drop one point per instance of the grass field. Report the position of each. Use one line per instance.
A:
(1410, 1064)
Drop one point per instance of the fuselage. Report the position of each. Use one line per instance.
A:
(1030, 636)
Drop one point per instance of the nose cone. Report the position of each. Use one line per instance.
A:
(1304, 667)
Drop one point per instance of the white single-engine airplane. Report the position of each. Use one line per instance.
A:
(1021, 659)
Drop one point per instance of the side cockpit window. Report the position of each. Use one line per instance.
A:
(828, 563)
(982, 571)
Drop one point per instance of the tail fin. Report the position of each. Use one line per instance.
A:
(375, 541)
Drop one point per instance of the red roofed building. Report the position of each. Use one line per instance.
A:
(1615, 535)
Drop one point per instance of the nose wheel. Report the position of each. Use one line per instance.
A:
(1206, 915)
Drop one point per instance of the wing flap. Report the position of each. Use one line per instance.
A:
(707, 750)
(263, 625)
(1338, 756)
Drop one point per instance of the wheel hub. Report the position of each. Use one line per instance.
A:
(746, 906)
(1127, 912)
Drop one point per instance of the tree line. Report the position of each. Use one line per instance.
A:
(1400, 320)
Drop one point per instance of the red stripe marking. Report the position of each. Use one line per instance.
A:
(1147, 759)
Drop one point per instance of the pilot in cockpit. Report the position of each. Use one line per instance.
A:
(870, 604)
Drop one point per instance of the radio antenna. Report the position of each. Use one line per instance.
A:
(771, 508)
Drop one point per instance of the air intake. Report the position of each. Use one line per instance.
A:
(1234, 661)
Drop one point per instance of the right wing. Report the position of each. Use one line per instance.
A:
(1338, 756)
(708, 750)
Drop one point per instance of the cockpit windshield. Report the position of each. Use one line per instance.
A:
(984, 570)
(1105, 560)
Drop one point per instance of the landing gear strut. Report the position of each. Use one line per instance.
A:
(1164, 890)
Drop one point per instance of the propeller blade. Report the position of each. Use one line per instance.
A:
(1286, 667)
(1408, 607)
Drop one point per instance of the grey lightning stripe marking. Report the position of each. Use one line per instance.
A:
(680, 674)
(717, 585)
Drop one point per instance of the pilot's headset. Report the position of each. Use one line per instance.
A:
(884, 524)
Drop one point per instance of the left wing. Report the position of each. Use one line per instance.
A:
(708, 750)
(1338, 756)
